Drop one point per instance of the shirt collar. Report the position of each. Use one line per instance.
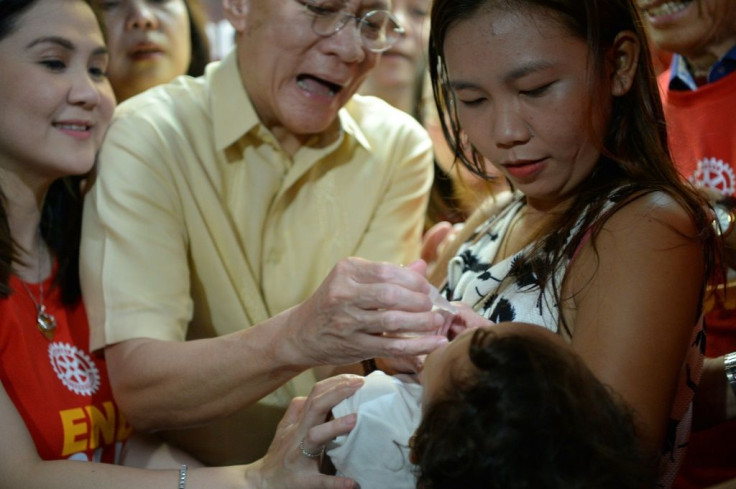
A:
(350, 125)
(682, 79)
(232, 111)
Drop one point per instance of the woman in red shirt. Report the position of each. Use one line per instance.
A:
(55, 400)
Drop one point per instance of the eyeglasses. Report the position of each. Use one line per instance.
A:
(379, 30)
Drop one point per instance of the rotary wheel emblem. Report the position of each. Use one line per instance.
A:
(75, 369)
(715, 174)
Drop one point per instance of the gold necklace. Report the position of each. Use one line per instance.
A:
(45, 322)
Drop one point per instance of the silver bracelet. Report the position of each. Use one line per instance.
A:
(729, 366)
(182, 476)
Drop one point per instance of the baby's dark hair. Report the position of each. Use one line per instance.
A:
(529, 415)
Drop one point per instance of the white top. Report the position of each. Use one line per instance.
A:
(376, 452)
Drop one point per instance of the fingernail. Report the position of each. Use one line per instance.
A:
(440, 302)
(353, 380)
(348, 484)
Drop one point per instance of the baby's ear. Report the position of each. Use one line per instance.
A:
(623, 59)
(413, 457)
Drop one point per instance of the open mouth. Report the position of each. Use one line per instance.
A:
(318, 86)
(667, 8)
(72, 127)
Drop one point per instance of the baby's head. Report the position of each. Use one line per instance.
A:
(512, 406)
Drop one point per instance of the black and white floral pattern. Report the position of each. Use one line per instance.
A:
(508, 290)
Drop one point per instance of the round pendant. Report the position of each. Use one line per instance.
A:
(46, 323)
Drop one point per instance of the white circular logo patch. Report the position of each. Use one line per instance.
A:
(75, 369)
(715, 174)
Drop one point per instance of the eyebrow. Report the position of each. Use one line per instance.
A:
(527, 69)
(63, 42)
(375, 5)
(514, 75)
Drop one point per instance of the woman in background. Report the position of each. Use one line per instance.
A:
(400, 74)
(401, 78)
(152, 42)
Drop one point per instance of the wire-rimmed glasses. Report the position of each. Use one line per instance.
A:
(379, 29)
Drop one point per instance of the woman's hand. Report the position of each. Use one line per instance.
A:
(303, 429)
(434, 240)
(364, 310)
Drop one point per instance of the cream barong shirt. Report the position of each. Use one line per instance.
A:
(199, 225)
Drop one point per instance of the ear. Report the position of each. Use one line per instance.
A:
(623, 59)
(236, 12)
(413, 457)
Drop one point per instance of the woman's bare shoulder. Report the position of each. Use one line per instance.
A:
(653, 212)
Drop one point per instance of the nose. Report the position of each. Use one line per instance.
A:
(509, 126)
(84, 91)
(140, 16)
(347, 42)
(405, 22)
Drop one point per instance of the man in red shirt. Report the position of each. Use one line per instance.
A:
(699, 97)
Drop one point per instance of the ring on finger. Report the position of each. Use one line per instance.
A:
(309, 454)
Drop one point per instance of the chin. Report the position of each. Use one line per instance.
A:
(395, 76)
(80, 166)
(312, 122)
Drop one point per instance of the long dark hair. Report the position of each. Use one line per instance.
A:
(198, 38)
(634, 152)
(61, 216)
(528, 414)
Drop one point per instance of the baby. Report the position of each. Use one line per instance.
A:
(504, 406)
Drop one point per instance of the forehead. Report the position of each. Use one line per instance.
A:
(511, 44)
(70, 19)
(492, 24)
